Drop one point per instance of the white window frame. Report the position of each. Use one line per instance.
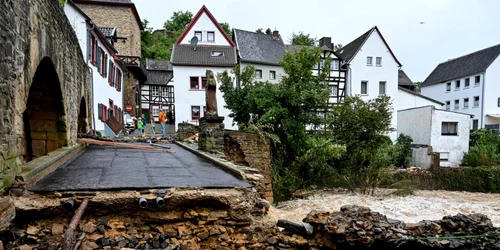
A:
(334, 65)
(466, 83)
(213, 36)
(378, 61)
(457, 85)
(466, 103)
(456, 104)
(200, 38)
(258, 74)
(475, 106)
(448, 86)
(164, 91)
(476, 82)
(361, 88)
(448, 104)
(445, 128)
(335, 90)
(193, 118)
(272, 75)
(156, 110)
(369, 61)
(380, 84)
(155, 91)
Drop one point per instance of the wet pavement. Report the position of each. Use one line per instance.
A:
(107, 168)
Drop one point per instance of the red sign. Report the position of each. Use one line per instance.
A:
(128, 108)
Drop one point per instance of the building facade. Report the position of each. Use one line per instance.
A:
(212, 49)
(158, 92)
(107, 72)
(444, 132)
(469, 84)
(121, 16)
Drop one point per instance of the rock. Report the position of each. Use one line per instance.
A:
(1, 245)
(88, 227)
(203, 234)
(57, 229)
(101, 229)
(164, 245)
(33, 230)
(103, 222)
(7, 212)
(89, 245)
(105, 242)
(156, 244)
(170, 232)
(273, 240)
(107, 248)
(25, 247)
(183, 231)
(134, 240)
(214, 231)
(122, 244)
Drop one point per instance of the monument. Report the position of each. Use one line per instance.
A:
(211, 129)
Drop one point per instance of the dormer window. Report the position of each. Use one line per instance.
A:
(211, 36)
(198, 34)
(217, 54)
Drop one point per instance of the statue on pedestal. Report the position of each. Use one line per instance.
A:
(210, 95)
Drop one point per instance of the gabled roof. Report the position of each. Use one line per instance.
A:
(419, 95)
(404, 80)
(185, 55)
(348, 52)
(260, 48)
(159, 72)
(205, 10)
(466, 65)
(121, 3)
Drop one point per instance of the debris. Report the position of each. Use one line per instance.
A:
(77, 245)
(122, 144)
(57, 229)
(88, 227)
(73, 224)
(193, 137)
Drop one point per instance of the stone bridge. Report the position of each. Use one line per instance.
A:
(45, 90)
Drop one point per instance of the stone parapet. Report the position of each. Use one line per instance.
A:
(211, 134)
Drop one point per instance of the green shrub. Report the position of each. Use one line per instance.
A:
(403, 151)
(481, 155)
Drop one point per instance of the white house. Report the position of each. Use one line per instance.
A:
(442, 131)
(262, 51)
(214, 51)
(372, 69)
(469, 84)
(107, 71)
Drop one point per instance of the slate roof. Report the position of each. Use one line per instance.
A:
(349, 51)
(404, 80)
(152, 64)
(160, 72)
(107, 31)
(259, 48)
(466, 65)
(184, 54)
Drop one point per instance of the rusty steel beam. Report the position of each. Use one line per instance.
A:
(74, 223)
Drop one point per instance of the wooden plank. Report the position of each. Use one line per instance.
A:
(122, 144)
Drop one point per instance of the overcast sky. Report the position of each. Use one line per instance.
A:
(451, 28)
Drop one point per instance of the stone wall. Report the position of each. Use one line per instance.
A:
(123, 20)
(186, 130)
(211, 134)
(248, 149)
(32, 31)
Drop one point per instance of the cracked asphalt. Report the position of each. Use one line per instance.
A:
(108, 168)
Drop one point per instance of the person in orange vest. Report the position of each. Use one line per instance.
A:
(162, 118)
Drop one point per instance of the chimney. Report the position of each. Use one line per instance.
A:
(326, 41)
(276, 35)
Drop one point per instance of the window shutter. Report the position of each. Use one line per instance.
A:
(119, 81)
(99, 111)
(89, 45)
(110, 72)
(98, 60)
(105, 65)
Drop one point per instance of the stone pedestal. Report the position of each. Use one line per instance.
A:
(211, 134)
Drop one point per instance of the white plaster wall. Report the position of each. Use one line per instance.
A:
(265, 71)
(388, 72)
(491, 92)
(204, 24)
(406, 100)
(421, 158)
(416, 123)
(79, 25)
(438, 92)
(456, 145)
(185, 97)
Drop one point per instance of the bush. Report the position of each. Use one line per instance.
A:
(403, 151)
(484, 149)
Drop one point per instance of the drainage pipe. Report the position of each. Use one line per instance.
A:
(69, 204)
(143, 203)
(74, 223)
(160, 201)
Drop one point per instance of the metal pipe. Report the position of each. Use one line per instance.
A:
(160, 201)
(74, 223)
(69, 204)
(143, 203)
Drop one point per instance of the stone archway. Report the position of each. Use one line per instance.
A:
(44, 117)
(82, 117)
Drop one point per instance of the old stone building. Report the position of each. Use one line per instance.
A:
(122, 17)
(44, 84)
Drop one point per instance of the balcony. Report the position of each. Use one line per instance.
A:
(136, 66)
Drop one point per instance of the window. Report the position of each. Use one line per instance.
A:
(334, 65)
(335, 90)
(194, 83)
(198, 34)
(378, 61)
(203, 82)
(457, 85)
(99, 111)
(217, 54)
(475, 124)
(443, 156)
(321, 64)
(156, 110)
(466, 103)
(195, 112)
(210, 36)
(119, 84)
(110, 77)
(111, 107)
(449, 128)
(258, 74)
(448, 105)
(448, 87)
(369, 60)
(457, 104)
(164, 91)
(97, 62)
(272, 75)
(204, 111)
(381, 88)
(155, 91)
(467, 82)
(364, 88)
(478, 79)
(476, 101)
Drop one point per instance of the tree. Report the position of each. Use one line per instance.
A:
(178, 21)
(156, 46)
(63, 2)
(260, 30)
(283, 111)
(227, 29)
(302, 39)
(269, 31)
